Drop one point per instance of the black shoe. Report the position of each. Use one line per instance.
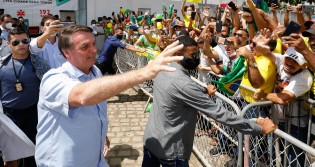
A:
(215, 151)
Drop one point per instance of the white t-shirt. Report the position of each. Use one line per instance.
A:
(298, 84)
(203, 75)
(224, 57)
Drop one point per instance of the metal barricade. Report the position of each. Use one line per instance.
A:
(277, 149)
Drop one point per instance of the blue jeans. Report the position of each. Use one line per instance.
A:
(150, 160)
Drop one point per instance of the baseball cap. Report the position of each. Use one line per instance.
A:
(308, 24)
(178, 23)
(310, 28)
(293, 54)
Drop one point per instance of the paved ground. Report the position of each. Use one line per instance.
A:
(126, 127)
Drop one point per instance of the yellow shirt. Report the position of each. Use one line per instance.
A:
(306, 42)
(187, 21)
(267, 70)
(278, 48)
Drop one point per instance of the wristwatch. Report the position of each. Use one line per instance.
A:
(253, 65)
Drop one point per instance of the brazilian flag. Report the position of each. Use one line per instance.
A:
(231, 82)
(262, 4)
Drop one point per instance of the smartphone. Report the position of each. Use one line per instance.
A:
(307, 8)
(193, 15)
(245, 9)
(232, 6)
(175, 10)
(218, 26)
(65, 24)
(293, 27)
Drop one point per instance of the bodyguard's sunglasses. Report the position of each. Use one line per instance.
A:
(17, 42)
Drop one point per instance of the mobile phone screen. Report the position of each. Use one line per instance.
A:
(293, 27)
(232, 6)
(219, 26)
(193, 15)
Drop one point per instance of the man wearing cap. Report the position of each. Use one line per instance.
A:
(177, 26)
(293, 80)
(301, 46)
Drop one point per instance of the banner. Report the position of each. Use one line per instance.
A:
(13, 138)
(40, 4)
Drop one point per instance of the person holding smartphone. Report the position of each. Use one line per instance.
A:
(189, 14)
(46, 45)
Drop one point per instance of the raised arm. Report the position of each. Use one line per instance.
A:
(254, 76)
(98, 90)
(52, 29)
(286, 17)
(259, 21)
(183, 8)
(274, 8)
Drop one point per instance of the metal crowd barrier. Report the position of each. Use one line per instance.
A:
(216, 144)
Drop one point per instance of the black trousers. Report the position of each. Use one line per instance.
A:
(106, 67)
(26, 120)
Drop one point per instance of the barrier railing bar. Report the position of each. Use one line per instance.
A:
(235, 107)
(201, 157)
(219, 128)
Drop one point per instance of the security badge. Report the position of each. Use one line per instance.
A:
(18, 86)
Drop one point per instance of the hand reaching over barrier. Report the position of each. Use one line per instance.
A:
(267, 125)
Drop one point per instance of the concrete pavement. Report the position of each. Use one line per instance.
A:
(126, 127)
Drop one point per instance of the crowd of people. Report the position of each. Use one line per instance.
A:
(54, 87)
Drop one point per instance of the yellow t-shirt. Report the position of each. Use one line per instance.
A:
(278, 48)
(306, 42)
(268, 71)
(187, 21)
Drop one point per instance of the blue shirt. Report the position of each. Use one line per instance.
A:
(50, 52)
(8, 95)
(69, 136)
(109, 49)
(4, 33)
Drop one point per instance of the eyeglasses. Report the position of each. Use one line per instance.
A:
(17, 42)
(238, 34)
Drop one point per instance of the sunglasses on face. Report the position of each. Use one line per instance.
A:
(17, 42)
(238, 34)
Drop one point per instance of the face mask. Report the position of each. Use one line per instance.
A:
(93, 25)
(120, 36)
(190, 64)
(147, 31)
(177, 32)
(232, 54)
(188, 13)
(8, 25)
